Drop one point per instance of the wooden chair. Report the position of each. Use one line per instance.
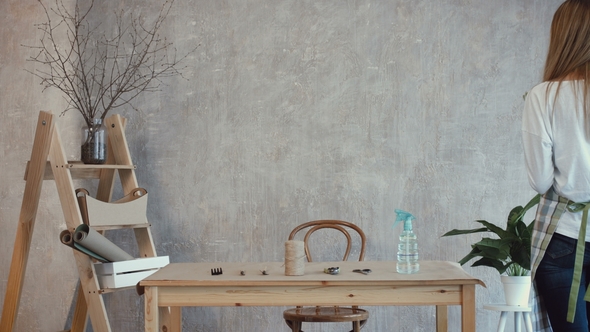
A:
(296, 316)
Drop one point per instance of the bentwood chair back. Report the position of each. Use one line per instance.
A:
(350, 233)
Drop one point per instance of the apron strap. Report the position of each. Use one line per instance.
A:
(579, 260)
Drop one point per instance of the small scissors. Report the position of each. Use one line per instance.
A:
(363, 271)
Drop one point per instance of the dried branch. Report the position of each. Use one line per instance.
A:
(98, 72)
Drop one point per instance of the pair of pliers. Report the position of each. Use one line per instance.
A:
(363, 271)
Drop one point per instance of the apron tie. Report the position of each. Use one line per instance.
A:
(579, 260)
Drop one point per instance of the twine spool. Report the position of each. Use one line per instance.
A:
(294, 258)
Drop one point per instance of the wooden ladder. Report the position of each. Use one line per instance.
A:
(48, 162)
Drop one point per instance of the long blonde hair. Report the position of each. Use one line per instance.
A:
(569, 48)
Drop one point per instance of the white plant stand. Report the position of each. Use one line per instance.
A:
(520, 313)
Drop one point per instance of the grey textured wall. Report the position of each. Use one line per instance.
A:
(295, 110)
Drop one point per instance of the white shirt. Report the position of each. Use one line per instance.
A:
(556, 147)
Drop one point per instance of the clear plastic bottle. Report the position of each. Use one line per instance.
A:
(407, 254)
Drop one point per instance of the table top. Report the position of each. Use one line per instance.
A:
(383, 273)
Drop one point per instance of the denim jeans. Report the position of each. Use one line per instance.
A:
(554, 278)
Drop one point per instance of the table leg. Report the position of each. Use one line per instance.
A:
(468, 308)
(151, 309)
(502, 322)
(442, 322)
(527, 321)
(176, 319)
(517, 320)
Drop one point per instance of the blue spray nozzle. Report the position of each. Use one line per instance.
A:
(406, 217)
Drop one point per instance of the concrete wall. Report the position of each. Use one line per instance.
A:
(293, 111)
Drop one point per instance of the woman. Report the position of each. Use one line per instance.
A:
(556, 141)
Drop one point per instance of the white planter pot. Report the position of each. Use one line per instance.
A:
(516, 290)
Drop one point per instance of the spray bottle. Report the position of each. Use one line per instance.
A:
(407, 254)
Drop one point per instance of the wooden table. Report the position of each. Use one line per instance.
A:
(191, 284)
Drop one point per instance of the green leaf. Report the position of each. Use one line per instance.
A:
(513, 269)
(491, 263)
(534, 201)
(493, 228)
(473, 254)
(515, 215)
(498, 244)
(464, 231)
(518, 212)
(520, 228)
(521, 255)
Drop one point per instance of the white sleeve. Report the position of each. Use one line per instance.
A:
(537, 142)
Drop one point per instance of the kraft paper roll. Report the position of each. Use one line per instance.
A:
(67, 237)
(95, 242)
(294, 258)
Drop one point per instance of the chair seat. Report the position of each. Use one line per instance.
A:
(326, 314)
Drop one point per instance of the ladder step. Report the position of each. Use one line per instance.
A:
(111, 227)
(80, 170)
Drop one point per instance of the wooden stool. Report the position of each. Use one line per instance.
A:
(520, 312)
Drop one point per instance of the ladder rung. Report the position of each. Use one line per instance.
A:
(111, 227)
(112, 290)
(79, 164)
(79, 170)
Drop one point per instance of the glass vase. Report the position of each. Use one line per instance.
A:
(94, 143)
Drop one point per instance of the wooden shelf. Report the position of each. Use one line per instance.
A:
(79, 164)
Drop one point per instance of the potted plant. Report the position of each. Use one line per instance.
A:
(509, 253)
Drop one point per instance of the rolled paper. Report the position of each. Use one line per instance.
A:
(95, 242)
(94, 255)
(294, 258)
(67, 237)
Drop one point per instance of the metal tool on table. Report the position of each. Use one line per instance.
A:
(363, 271)
(332, 270)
